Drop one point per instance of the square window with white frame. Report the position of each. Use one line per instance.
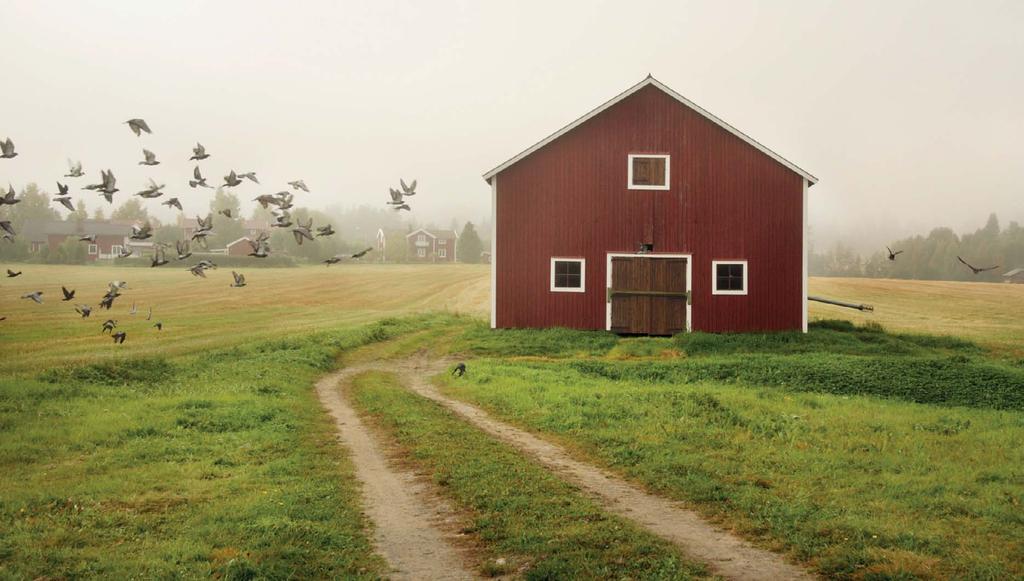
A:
(93, 250)
(568, 275)
(729, 277)
(442, 253)
(648, 172)
(421, 252)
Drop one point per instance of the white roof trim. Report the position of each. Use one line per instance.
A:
(230, 244)
(652, 81)
(424, 230)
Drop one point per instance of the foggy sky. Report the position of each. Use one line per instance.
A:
(910, 113)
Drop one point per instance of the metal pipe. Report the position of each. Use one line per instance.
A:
(842, 304)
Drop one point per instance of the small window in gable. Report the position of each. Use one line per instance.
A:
(648, 172)
(729, 277)
(568, 275)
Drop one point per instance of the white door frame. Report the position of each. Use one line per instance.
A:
(689, 282)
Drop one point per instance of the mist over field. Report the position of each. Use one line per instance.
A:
(908, 112)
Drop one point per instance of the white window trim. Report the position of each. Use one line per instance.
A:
(94, 249)
(442, 253)
(629, 171)
(421, 252)
(714, 277)
(583, 275)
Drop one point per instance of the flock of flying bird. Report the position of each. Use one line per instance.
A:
(281, 201)
(894, 253)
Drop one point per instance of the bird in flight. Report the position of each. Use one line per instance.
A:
(90, 238)
(327, 230)
(226, 212)
(125, 252)
(249, 175)
(975, 269)
(199, 179)
(893, 254)
(159, 257)
(199, 152)
(5, 225)
(35, 296)
(109, 325)
(172, 203)
(150, 158)
(266, 199)
(408, 190)
(8, 198)
(299, 185)
(63, 197)
(231, 180)
(7, 149)
(84, 310)
(332, 260)
(68, 294)
(75, 170)
(152, 191)
(119, 337)
(142, 232)
(403, 207)
(260, 246)
(138, 126)
(239, 279)
(182, 246)
(12, 274)
(303, 231)
(361, 253)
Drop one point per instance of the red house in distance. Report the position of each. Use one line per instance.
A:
(649, 215)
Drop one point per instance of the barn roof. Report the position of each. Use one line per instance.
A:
(1014, 272)
(36, 230)
(435, 233)
(650, 80)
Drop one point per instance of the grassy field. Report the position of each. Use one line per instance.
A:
(202, 450)
(200, 314)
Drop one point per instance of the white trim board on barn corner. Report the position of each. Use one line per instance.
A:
(650, 80)
(689, 283)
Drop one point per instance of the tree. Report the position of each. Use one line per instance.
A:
(80, 214)
(225, 230)
(98, 214)
(470, 247)
(131, 210)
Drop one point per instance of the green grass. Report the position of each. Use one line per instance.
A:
(544, 528)
(218, 464)
(854, 485)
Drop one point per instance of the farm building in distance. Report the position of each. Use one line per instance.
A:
(432, 246)
(1015, 276)
(111, 235)
(649, 215)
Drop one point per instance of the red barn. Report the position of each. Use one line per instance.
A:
(111, 235)
(432, 246)
(649, 215)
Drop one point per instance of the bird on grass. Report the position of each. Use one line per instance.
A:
(132, 311)
(35, 296)
(75, 170)
(199, 179)
(7, 149)
(84, 310)
(150, 158)
(3, 318)
(327, 230)
(459, 370)
(239, 279)
(173, 203)
(198, 270)
(199, 152)
(68, 294)
(299, 185)
(138, 126)
(158, 326)
(361, 253)
(9, 198)
(109, 325)
(184, 251)
(12, 274)
(119, 337)
(975, 269)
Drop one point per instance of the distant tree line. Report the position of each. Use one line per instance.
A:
(931, 257)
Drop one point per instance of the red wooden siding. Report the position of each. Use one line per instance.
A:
(727, 200)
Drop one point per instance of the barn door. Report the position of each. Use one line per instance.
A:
(648, 295)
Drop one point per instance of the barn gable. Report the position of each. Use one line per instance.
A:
(651, 81)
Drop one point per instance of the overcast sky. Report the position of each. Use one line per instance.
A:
(910, 113)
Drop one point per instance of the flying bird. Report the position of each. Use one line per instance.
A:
(75, 170)
(159, 258)
(327, 230)
(12, 274)
(250, 175)
(138, 126)
(299, 185)
(90, 238)
(182, 246)
(125, 252)
(5, 225)
(199, 152)
(975, 269)
(152, 191)
(109, 325)
(68, 294)
(172, 203)
(396, 197)
(403, 207)
(231, 180)
(119, 337)
(36, 296)
(332, 260)
(199, 179)
(408, 190)
(150, 158)
(7, 149)
(84, 310)
(142, 232)
(361, 253)
(226, 212)
(63, 197)
(893, 255)
(302, 231)
(9, 198)
(260, 247)
(239, 279)
(265, 200)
